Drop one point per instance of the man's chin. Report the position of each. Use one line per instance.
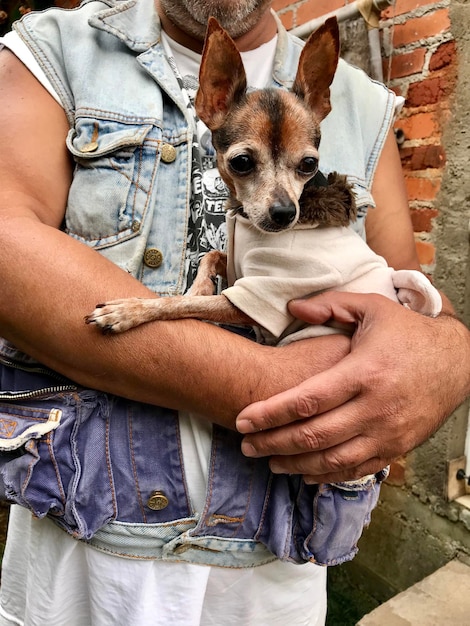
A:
(191, 16)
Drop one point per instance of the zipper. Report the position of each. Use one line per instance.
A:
(36, 393)
(37, 369)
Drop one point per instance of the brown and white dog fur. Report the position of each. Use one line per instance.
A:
(267, 152)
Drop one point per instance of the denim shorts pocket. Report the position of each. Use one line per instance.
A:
(327, 531)
(114, 164)
(54, 459)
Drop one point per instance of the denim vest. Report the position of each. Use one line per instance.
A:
(110, 471)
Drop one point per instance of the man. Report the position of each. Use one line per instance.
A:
(105, 93)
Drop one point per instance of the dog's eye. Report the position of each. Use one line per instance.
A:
(308, 165)
(242, 164)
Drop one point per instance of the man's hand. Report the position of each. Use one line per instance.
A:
(404, 376)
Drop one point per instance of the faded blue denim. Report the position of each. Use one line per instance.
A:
(94, 472)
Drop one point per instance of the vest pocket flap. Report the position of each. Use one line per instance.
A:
(92, 138)
(18, 425)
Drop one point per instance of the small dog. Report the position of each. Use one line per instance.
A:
(288, 224)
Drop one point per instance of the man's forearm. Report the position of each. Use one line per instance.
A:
(184, 365)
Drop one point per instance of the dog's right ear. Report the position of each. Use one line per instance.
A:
(317, 66)
(222, 78)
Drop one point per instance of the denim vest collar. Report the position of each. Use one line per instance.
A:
(287, 56)
(138, 26)
(129, 21)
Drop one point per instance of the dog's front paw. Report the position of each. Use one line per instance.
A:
(117, 316)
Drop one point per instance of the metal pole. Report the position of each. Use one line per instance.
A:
(350, 11)
(375, 52)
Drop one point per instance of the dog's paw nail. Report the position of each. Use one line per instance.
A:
(100, 306)
(108, 329)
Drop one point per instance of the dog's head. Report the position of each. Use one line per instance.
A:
(267, 140)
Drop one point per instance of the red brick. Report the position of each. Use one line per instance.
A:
(420, 188)
(421, 28)
(397, 473)
(423, 157)
(278, 5)
(426, 157)
(429, 91)
(419, 126)
(426, 252)
(287, 19)
(444, 56)
(407, 64)
(403, 6)
(405, 151)
(422, 219)
(316, 8)
(397, 89)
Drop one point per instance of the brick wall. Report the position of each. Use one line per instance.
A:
(419, 64)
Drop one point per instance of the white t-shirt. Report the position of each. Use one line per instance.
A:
(50, 578)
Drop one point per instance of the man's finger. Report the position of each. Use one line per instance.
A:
(372, 466)
(313, 434)
(318, 394)
(346, 308)
(345, 457)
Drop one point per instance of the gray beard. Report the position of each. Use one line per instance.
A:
(192, 15)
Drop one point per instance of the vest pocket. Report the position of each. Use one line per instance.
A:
(54, 457)
(327, 531)
(114, 165)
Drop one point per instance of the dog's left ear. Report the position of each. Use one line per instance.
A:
(317, 67)
(222, 78)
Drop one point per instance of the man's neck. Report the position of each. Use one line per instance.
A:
(263, 32)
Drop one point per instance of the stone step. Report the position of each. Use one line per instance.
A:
(441, 599)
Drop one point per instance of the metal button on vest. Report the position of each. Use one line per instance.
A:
(89, 147)
(168, 153)
(157, 501)
(153, 257)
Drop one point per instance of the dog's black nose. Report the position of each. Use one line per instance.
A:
(282, 214)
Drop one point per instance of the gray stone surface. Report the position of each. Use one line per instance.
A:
(440, 599)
